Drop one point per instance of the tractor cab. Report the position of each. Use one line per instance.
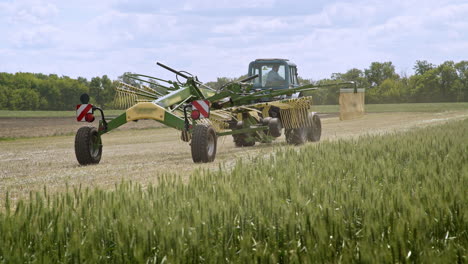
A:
(273, 73)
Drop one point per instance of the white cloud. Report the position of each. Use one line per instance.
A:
(397, 26)
(30, 12)
(451, 12)
(226, 4)
(252, 25)
(349, 12)
(113, 22)
(40, 36)
(114, 36)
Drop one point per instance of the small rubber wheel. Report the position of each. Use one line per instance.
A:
(240, 140)
(314, 132)
(204, 142)
(275, 127)
(88, 146)
(296, 136)
(265, 122)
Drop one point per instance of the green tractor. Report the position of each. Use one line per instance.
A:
(274, 74)
(281, 75)
(258, 108)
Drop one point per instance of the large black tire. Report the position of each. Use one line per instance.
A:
(314, 132)
(275, 127)
(88, 146)
(204, 142)
(296, 136)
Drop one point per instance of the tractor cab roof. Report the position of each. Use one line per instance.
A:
(275, 60)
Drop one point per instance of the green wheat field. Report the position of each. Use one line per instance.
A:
(395, 198)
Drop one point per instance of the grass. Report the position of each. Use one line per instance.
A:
(380, 199)
(415, 107)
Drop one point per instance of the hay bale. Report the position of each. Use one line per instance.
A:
(351, 103)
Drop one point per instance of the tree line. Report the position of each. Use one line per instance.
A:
(447, 82)
(37, 91)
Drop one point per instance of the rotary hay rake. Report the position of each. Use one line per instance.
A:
(203, 114)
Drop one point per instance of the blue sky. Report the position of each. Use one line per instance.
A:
(213, 38)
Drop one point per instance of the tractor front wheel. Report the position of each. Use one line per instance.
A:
(88, 146)
(296, 136)
(314, 131)
(204, 142)
(275, 127)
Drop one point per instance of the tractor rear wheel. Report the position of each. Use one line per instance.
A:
(88, 146)
(314, 131)
(275, 127)
(204, 142)
(296, 136)
(266, 122)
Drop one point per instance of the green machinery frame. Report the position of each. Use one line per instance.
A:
(236, 109)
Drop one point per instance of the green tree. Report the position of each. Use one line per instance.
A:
(354, 75)
(422, 66)
(96, 91)
(221, 81)
(71, 91)
(462, 71)
(4, 95)
(448, 80)
(392, 91)
(108, 91)
(425, 88)
(83, 81)
(51, 93)
(378, 72)
(124, 78)
(24, 99)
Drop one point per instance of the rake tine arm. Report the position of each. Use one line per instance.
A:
(159, 85)
(131, 89)
(134, 75)
(135, 93)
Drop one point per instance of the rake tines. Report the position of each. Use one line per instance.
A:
(127, 95)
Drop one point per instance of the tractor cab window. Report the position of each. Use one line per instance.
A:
(293, 76)
(271, 75)
(257, 81)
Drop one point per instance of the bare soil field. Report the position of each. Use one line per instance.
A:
(54, 126)
(140, 154)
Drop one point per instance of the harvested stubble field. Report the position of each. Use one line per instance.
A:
(21, 124)
(143, 155)
(398, 197)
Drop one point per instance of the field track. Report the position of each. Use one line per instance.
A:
(141, 155)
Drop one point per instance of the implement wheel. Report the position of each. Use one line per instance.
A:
(244, 139)
(204, 143)
(315, 130)
(275, 127)
(240, 140)
(88, 146)
(296, 136)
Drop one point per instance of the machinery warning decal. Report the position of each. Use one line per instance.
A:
(82, 110)
(203, 106)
